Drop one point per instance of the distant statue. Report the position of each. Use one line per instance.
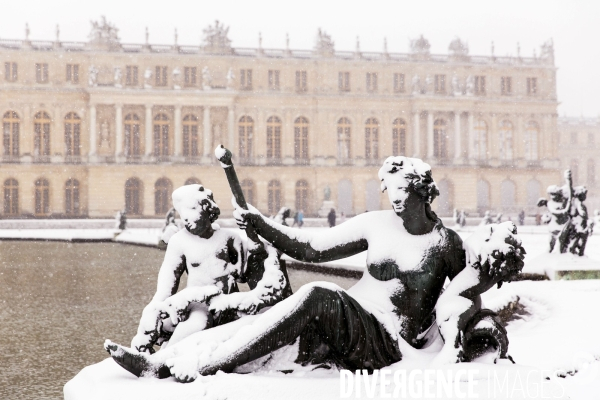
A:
(148, 78)
(456, 89)
(176, 78)
(462, 218)
(121, 220)
(216, 39)
(470, 85)
(420, 45)
(487, 219)
(324, 44)
(206, 78)
(230, 79)
(458, 47)
(92, 76)
(327, 193)
(169, 229)
(416, 84)
(104, 33)
(498, 218)
(522, 217)
(568, 217)
(104, 138)
(117, 77)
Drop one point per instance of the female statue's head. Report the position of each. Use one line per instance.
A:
(196, 206)
(408, 182)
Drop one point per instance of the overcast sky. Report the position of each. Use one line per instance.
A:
(574, 25)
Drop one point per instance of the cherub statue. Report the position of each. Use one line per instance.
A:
(169, 229)
(568, 216)
(215, 261)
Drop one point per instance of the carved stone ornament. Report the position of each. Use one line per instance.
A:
(216, 39)
(324, 44)
(420, 45)
(458, 47)
(104, 34)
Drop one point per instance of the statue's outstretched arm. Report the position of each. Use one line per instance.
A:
(341, 241)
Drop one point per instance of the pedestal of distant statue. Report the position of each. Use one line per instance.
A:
(326, 208)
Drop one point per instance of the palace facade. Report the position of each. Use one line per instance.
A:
(93, 127)
(578, 151)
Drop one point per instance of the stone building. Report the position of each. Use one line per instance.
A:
(579, 150)
(93, 127)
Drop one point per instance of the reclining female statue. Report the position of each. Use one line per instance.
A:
(395, 304)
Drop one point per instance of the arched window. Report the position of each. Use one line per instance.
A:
(440, 148)
(445, 201)
(10, 134)
(274, 199)
(534, 189)
(507, 195)
(132, 136)
(190, 136)
(345, 197)
(11, 197)
(72, 134)
(248, 190)
(246, 136)
(302, 195)
(162, 196)
(344, 133)
(505, 134)
(483, 196)
(399, 137)
(373, 195)
(72, 197)
(161, 136)
(41, 129)
(192, 181)
(301, 140)
(480, 130)
(42, 197)
(274, 139)
(372, 139)
(591, 172)
(532, 132)
(133, 196)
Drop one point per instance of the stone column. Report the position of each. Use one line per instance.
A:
(471, 147)
(457, 137)
(118, 130)
(231, 130)
(416, 135)
(178, 134)
(429, 135)
(148, 129)
(207, 134)
(93, 139)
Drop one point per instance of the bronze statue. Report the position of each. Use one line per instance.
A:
(568, 216)
(409, 256)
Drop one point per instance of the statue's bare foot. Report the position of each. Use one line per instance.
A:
(135, 362)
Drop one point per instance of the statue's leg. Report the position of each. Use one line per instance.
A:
(349, 335)
(552, 242)
(198, 320)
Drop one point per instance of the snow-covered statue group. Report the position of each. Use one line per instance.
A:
(567, 216)
(399, 305)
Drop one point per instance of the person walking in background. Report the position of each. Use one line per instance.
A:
(342, 217)
(331, 218)
(522, 217)
(300, 218)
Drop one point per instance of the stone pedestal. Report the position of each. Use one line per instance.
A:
(325, 208)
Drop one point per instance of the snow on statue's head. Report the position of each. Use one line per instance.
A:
(402, 176)
(196, 206)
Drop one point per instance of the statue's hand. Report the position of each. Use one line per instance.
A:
(496, 251)
(177, 305)
(243, 216)
(149, 327)
(246, 302)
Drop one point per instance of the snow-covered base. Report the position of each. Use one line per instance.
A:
(560, 334)
(564, 266)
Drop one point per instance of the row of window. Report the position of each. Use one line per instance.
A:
(590, 178)
(163, 188)
(190, 127)
(190, 79)
(574, 138)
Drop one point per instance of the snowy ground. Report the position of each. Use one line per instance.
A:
(559, 337)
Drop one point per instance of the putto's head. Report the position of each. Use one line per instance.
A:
(403, 176)
(196, 206)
